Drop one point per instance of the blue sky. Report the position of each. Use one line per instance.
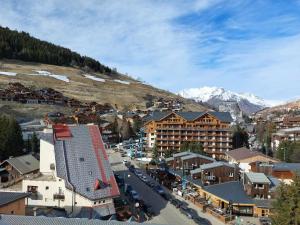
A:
(241, 45)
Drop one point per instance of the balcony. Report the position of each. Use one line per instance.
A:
(59, 196)
(210, 178)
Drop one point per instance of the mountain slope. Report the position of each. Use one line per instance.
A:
(289, 107)
(215, 96)
(119, 90)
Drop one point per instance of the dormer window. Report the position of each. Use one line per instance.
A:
(81, 159)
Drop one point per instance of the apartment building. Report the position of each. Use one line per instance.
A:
(288, 134)
(216, 172)
(75, 173)
(168, 130)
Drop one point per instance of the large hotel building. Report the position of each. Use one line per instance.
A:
(168, 130)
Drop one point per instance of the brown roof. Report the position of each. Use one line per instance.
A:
(243, 153)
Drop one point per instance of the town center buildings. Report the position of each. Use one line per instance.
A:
(168, 130)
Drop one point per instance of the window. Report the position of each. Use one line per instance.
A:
(52, 166)
(75, 203)
(12, 212)
(231, 174)
(47, 188)
(95, 203)
(103, 201)
(90, 172)
(81, 159)
(87, 189)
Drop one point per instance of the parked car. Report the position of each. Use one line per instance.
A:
(125, 161)
(123, 155)
(201, 221)
(135, 196)
(186, 211)
(159, 189)
(131, 168)
(265, 221)
(138, 173)
(176, 203)
(151, 184)
(145, 179)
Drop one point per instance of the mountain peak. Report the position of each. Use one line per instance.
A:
(215, 95)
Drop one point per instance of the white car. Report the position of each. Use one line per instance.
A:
(125, 161)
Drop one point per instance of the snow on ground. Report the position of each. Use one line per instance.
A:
(122, 82)
(43, 72)
(49, 74)
(93, 78)
(8, 73)
(60, 77)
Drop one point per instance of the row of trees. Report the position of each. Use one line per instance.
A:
(21, 46)
(11, 140)
(289, 151)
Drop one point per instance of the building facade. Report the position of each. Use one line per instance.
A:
(75, 173)
(13, 203)
(168, 130)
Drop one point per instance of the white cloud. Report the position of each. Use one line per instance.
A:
(144, 38)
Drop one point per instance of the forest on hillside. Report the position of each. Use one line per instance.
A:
(21, 46)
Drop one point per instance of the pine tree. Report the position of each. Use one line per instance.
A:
(11, 139)
(34, 143)
(155, 153)
(240, 138)
(287, 205)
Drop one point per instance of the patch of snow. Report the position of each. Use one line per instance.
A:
(49, 74)
(122, 82)
(60, 77)
(8, 73)
(43, 72)
(94, 78)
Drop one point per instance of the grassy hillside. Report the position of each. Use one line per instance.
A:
(121, 91)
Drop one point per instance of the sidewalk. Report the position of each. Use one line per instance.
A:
(213, 220)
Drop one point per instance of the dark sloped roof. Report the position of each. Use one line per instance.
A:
(230, 191)
(41, 220)
(190, 116)
(81, 160)
(8, 197)
(48, 137)
(24, 164)
(196, 155)
(223, 116)
(287, 166)
(264, 203)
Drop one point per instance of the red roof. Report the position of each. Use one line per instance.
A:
(62, 131)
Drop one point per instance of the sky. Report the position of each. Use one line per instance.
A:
(240, 45)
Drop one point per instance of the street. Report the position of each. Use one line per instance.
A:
(165, 212)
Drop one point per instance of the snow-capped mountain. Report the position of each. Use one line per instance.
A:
(215, 96)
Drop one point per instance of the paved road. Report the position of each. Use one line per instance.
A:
(166, 213)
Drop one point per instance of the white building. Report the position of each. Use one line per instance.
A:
(75, 172)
